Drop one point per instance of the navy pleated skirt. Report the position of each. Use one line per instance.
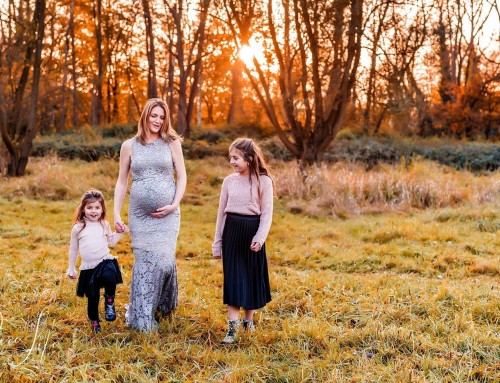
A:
(246, 278)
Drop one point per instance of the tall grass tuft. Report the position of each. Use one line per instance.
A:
(342, 189)
(54, 179)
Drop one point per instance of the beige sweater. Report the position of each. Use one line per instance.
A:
(241, 197)
(92, 245)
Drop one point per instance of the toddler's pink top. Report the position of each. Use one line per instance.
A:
(92, 244)
(239, 195)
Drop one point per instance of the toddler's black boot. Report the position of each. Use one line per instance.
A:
(109, 308)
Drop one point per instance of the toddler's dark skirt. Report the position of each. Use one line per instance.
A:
(246, 278)
(88, 278)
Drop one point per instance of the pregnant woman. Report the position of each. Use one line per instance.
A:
(152, 156)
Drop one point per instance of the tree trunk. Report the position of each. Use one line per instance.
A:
(189, 67)
(170, 83)
(182, 123)
(19, 159)
(62, 103)
(150, 51)
(236, 107)
(128, 71)
(74, 111)
(445, 66)
(96, 102)
(373, 72)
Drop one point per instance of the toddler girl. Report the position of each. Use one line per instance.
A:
(90, 237)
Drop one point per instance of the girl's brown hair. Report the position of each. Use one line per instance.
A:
(252, 154)
(89, 196)
(167, 132)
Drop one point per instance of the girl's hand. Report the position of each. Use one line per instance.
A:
(255, 246)
(72, 276)
(163, 211)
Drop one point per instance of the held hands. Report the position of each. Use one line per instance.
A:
(120, 227)
(163, 211)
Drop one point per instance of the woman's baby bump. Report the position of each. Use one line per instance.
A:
(147, 197)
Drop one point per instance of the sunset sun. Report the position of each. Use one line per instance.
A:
(247, 54)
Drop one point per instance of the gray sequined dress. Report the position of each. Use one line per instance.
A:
(154, 240)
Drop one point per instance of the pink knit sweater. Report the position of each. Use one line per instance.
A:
(92, 245)
(241, 197)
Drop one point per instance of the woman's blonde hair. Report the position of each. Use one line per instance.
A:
(167, 132)
(253, 155)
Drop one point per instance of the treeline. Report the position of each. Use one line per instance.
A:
(305, 68)
(94, 144)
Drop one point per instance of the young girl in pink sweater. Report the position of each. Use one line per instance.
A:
(243, 223)
(90, 237)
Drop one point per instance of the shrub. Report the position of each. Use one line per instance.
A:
(120, 131)
(93, 144)
(76, 150)
(200, 149)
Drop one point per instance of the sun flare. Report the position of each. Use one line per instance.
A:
(246, 54)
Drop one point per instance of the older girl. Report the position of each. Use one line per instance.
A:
(243, 223)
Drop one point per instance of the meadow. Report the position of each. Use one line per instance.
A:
(382, 275)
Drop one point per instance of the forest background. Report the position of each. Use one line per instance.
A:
(381, 122)
(303, 70)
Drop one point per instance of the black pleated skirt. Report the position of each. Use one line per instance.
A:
(246, 277)
(88, 278)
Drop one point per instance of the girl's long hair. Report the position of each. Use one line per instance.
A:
(167, 132)
(89, 196)
(252, 154)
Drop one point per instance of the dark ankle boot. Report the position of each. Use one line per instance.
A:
(232, 327)
(248, 325)
(109, 308)
(95, 326)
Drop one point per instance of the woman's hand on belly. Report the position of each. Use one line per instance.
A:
(163, 211)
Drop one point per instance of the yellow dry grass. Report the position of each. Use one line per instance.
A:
(405, 296)
(346, 188)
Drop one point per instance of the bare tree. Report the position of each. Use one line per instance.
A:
(241, 15)
(187, 47)
(457, 32)
(17, 132)
(316, 45)
(377, 16)
(404, 39)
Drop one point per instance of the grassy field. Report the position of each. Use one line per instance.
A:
(368, 285)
